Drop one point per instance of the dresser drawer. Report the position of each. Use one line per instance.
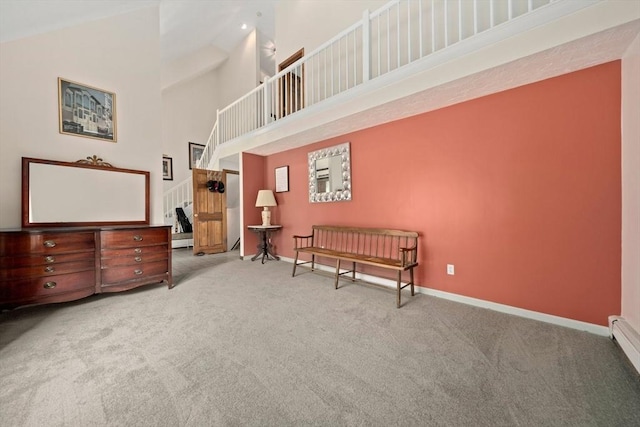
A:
(45, 243)
(24, 289)
(134, 251)
(25, 261)
(114, 275)
(133, 238)
(47, 270)
(135, 259)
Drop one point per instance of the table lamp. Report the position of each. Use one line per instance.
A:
(265, 200)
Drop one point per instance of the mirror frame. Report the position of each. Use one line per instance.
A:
(93, 163)
(344, 194)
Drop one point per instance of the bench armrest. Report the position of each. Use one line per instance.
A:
(408, 256)
(302, 241)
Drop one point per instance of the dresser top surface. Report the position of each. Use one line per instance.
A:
(36, 230)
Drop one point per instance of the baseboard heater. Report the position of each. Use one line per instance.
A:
(627, 338)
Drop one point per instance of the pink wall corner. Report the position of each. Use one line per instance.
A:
(520, 190)
(253, 173)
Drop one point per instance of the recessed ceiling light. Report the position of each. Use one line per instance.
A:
(244, 26)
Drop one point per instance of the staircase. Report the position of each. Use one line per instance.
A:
(181, 195)
(379, 47)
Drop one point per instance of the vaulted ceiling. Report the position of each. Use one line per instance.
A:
(187, 27)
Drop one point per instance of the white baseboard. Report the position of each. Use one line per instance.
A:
(181, 243)
(627, 338)
(543, 317)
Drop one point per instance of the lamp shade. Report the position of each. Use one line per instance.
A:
(265, 198)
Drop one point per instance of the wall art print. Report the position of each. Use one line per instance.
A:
(86, 111)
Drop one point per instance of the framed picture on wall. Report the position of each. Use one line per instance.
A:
(282, 179)
(167, 168)
(195, 152)
(86, 111)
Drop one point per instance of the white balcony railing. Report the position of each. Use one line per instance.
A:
(398, 34)
(181, 195)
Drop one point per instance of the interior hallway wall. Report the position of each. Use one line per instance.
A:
(520, 190)
(238, 75)
(125, 61)
(631, 185)
(297, 22)
(188, 115)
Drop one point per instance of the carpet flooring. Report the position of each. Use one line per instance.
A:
(239, 343)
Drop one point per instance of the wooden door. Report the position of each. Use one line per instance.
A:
(209, 213)
(291, 86)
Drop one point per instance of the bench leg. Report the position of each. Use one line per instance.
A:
(353, 272)
(411, 277)
(295, 264)
(313, 262)
(337, 273)
(399, 283)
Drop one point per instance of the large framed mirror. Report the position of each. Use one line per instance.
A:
(85, 193)
(330, 174)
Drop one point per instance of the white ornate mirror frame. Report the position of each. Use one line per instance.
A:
(330, 174)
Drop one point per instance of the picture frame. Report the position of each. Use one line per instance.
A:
(167, 168)
(195, 152)
(282, 179)
(86, 111)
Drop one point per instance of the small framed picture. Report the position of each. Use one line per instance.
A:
(282, 179)
(167, 168)
(86, 111)
(195, 152)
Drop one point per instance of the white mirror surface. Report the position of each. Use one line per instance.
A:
(61, 193)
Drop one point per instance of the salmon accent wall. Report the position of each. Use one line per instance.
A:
(253, 179)
(520, 190)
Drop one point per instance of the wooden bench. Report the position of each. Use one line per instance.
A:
(391, 249)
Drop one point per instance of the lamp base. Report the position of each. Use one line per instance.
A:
(266, 217)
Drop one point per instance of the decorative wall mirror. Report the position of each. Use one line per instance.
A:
(330, 174)
(86, 193)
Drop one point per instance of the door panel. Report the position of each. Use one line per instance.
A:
(209, 213)
(291, 86)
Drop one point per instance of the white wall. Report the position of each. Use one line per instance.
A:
(233, 209)
(309, 23)
(631, 185)
(120, 54)
(188, 115)
(239, 74)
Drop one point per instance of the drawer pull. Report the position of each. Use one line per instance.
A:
(49, 259)
(137, 272)
(137, 251)
(137, 238)
(49, 269)
(138, 259)
(49, 285)
(49, 244)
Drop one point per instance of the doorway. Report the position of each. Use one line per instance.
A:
(291, 85)
(209, 212)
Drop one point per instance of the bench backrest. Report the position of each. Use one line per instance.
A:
(372, 242)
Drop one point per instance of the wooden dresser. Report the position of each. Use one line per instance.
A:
(47, 265)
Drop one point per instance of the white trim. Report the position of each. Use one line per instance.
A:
(628, 339)
(521, 312)
(502, 308)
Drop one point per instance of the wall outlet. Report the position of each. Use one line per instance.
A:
(451, 270)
